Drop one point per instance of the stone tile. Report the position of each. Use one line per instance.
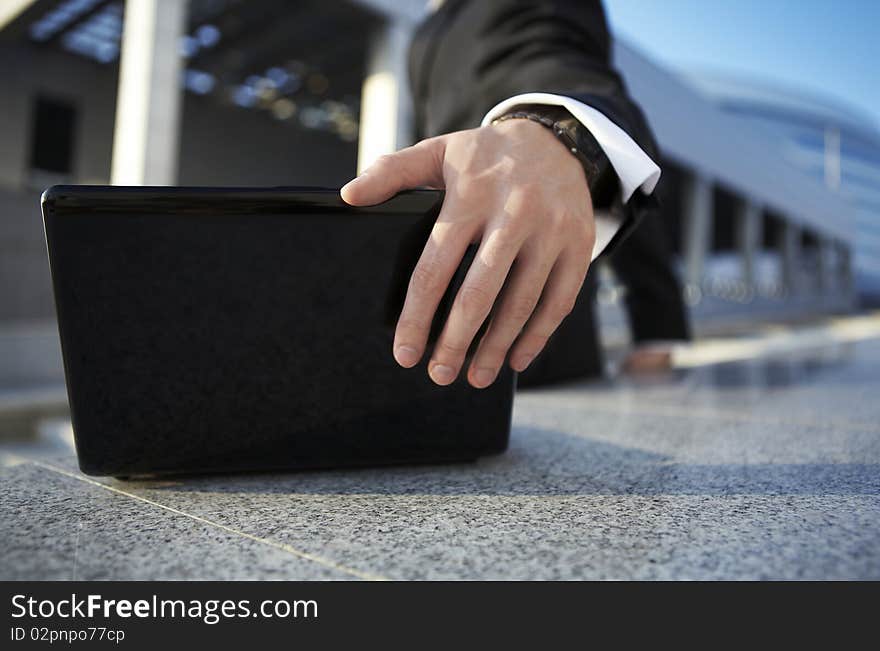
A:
(835, 386)
(738, 477)
(58, 528)
(572, 536)
(579, 496)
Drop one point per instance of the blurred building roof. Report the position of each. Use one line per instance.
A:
(792, 104)
(694, 131)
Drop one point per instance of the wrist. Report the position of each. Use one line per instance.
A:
(577, 139)
(543, 155)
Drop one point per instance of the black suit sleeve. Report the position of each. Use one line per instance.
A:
(553, 46)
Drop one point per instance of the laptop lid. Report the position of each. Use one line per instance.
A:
(218, 329)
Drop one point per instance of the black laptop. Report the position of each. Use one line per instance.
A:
(218, 329)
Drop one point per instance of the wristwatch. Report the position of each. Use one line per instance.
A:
(601, 177)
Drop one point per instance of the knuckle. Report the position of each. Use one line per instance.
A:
(562, 307)
(430, 146)
(559, 225)
(474, 301)
(386, 160)
(508, 236)
(527, 200)
(584, 267)
(532, 344)
(493, 353)
(538, 341)
(466, 187)
(425, 279)
(412, 324)
(589, 238)
(384, 165)
(454, 349)
(521, 308)
(523, 225)
(591, 234)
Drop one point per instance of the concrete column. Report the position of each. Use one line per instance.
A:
(791, 257)
(844, 271)
(698, 231)
(824, 265)
(749, 229)
(148, 105)
(386, 106)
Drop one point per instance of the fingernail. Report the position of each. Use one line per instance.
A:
(442, 374)
(406, 356)
(483, 377)
(522, 362)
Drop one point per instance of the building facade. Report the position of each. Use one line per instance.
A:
(832, 143)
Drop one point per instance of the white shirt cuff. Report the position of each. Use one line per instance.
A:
(634, 167)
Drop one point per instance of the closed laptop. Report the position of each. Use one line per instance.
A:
(217, 329)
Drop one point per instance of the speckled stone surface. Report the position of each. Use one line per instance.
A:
(58, 528)
(766, 469)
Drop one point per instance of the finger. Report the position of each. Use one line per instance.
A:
(557, 301)
(419, 165)
(518, 301)
(472, 304)
(430, 278)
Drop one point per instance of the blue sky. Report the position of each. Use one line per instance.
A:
(826, 47)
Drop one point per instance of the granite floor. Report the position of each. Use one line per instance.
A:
(762, 468)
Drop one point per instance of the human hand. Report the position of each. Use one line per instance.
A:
(649, 359)
(515, 189)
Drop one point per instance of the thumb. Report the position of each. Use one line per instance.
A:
(419, 165)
